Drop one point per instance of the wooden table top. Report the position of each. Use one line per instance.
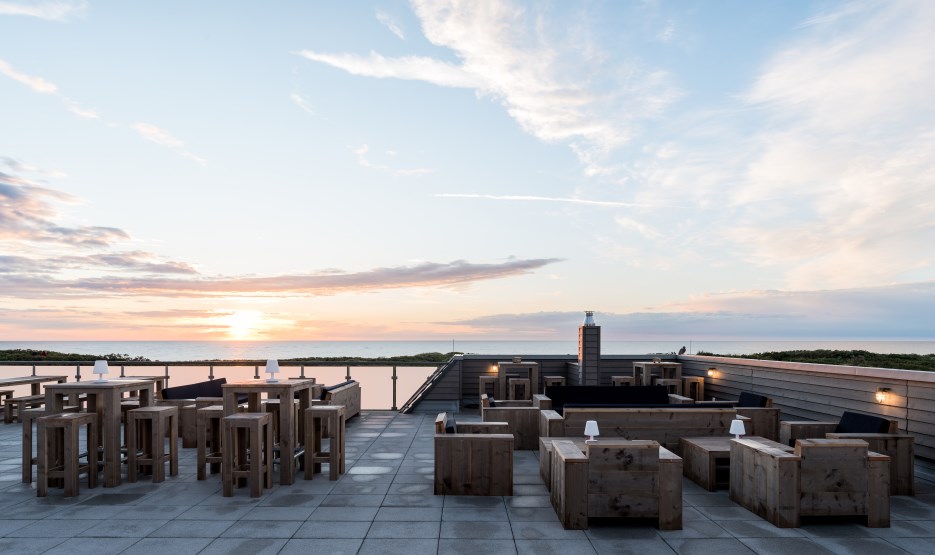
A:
(721, 444)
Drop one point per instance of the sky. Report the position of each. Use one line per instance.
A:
(302, 170)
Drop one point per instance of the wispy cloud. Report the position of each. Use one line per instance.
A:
(362, 159)
(52, 11)
(507, 53)
(302, 103)
(146, 130)
(390, 23)
(533, 198)
(162, 137)
(34, 82)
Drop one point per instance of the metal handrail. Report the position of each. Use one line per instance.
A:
(301, 364)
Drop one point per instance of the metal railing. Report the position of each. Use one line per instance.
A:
(363, 377)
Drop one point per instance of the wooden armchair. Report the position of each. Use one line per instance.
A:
(882, 435)
(823, 477)
(473, 458)
(523, 419)
(616, 478)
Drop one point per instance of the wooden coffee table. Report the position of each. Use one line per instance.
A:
(706, 460)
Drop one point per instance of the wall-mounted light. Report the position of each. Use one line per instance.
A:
(712, 371)
(882, 394)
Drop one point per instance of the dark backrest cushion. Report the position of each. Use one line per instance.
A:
(674, 406)
(450, 426)
(327, 388)
(753, 400)
(210, 388)
(606, 395)
(856, 423)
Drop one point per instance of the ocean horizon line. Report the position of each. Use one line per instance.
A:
(194, 350)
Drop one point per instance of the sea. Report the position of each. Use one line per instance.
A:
(175, 351)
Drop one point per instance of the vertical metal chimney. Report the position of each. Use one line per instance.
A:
(589, 351)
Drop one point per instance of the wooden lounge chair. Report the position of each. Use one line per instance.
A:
(616, 478)
(823, 477)
(882, 434)
(472, 458)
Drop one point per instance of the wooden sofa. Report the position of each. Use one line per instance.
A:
(764, 419)
(665, 425)
(882, 435)
(616, 478)
(823, 477)
(472, 458)
(344, 393)
(189, 398)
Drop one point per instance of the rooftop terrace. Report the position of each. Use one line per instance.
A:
(385, 504)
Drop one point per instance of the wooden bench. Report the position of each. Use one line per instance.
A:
(13, 405)
(823, 477)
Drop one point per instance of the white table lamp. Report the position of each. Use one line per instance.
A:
(590, 430)
(737, 428)
(100, 368)
(272, 368)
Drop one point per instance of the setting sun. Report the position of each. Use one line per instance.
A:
(243, 324)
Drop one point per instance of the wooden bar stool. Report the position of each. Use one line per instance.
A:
(552, 380)
(208, 434)
(28, 417)
(147, 428)
(515, 384)
(248, 451)
(622, 380)
(59, 452)
(674, 386)
(693, 386)
(493, 381)
(315, 420)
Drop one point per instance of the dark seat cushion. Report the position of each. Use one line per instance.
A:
(856, 423)
(606, 395)
(451, 427)
(752, 400)
(210, 388)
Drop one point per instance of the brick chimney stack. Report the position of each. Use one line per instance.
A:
(589, 350)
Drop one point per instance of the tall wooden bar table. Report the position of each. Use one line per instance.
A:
(285, 391)
(643, 371)
(529, 369)
(104, 398)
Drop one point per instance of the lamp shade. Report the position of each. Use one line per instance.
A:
(737, 428)
(591, 430)
(272, 368)
(100, 368)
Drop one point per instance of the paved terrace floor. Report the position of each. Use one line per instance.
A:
(384, 504)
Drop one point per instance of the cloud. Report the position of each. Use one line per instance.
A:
(533, 198)
(146, 130)
(362, 159)
(134, 261)
(27, 215)
(163, 138)
(428, 274)
(35, 83)
(574, 94)
(301, 103)
(52, 11)
(390, 23)
(896, 312)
